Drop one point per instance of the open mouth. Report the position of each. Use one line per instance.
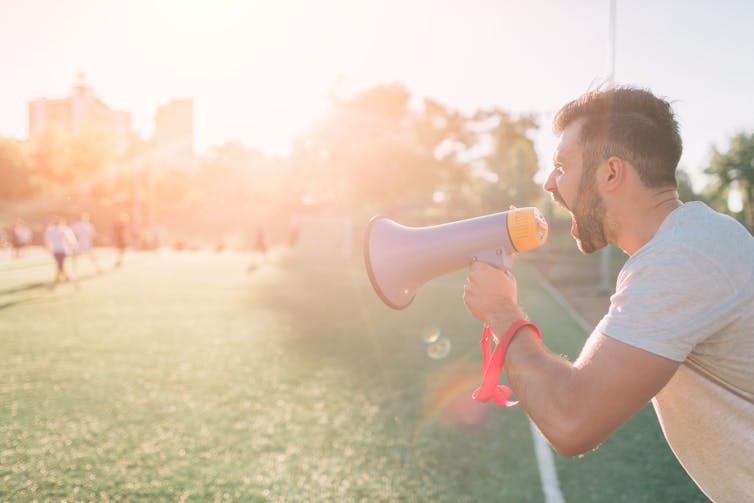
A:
(556, 197)
(574, 226)
(559, 201)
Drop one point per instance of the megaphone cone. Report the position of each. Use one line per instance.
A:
(400, 259)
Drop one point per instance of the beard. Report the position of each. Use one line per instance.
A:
(589, 222)
(588, 217)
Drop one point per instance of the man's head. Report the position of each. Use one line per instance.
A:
(628, 124)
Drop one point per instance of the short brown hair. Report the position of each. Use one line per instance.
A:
(629, 123)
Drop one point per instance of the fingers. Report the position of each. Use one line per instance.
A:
(480, 270)
(469, 293)
(484, 277)
(480, 266)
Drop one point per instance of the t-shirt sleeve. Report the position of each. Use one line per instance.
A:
(70, 237)
(668, 301)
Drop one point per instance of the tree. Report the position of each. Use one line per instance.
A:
(734, 169)
(511, 162)
(49, 153)
(685, 188)
(365, 146)
(15, 170)
(375, 151)
(357, 155)
(67, 162)
(92, 150)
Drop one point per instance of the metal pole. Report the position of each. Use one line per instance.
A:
(605, 253)
(611, 54)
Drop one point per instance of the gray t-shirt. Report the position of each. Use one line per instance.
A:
(688, 295)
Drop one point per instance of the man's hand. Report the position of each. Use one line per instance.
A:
(491, 295)
(576, 406)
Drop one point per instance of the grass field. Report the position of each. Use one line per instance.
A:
(190, 377)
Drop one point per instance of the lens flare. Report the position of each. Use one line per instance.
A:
(448, 396)
(432, 335)
(439, 349)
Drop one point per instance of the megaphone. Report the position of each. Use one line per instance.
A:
(400, 259)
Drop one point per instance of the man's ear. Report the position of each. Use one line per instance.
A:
(613, 173)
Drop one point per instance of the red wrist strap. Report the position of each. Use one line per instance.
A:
(492, 365)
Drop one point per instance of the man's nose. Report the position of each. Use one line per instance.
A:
(549, 184)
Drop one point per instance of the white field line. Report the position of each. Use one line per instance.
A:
(547, 472)
(560, 300)
(545, 461)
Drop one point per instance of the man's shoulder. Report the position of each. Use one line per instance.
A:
(695, 236)
(695, 222)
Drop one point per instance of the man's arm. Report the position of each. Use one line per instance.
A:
(577, 406)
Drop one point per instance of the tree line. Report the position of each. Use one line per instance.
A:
(374, 152)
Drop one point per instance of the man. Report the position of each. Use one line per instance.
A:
(680, 328)
(61, 242)
(120, 237)
(20, 237)
(84, 232)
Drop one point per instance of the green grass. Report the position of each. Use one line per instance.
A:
(189, 377)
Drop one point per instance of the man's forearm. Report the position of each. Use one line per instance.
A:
(544, 384)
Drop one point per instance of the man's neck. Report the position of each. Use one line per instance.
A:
(642, 218)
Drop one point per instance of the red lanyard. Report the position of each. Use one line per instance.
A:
(492, 365)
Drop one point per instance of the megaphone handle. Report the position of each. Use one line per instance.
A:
(492, 366)
(496, 258)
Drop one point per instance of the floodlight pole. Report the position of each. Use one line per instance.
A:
(611, 46)
(605, 253)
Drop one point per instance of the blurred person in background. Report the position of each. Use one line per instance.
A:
(120, 237)
(61, 242)
(261, 243)
(20, 237)
(294, 233)
(680, 328)
(84, 232)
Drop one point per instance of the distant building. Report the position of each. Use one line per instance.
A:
(174, 132)
(76, 113)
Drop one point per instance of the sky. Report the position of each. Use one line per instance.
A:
(262, 71)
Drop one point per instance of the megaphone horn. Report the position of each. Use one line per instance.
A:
(400, 259)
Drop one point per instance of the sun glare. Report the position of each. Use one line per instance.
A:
(254, 70)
